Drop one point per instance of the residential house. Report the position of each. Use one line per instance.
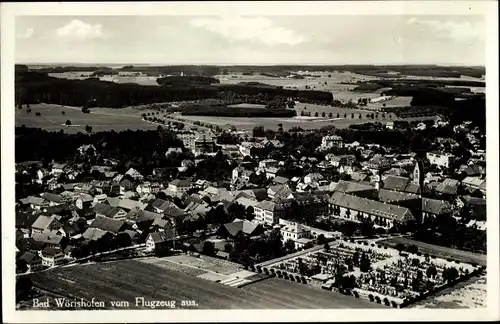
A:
(433, 208)
(278, 180)
(271, 172)
(108, 224)
(125, 203)
(52, 199)
(46, 223)
(268, 212)
(475, 183)
(52, 257)
(268, 163)
(49, 238)
(340, 160)
(356, 209)
(160, 241)
(93, 234)
(134, 174)
(36, 203)
(297, 233)
(313, 178)
(33, 261)
(402, 184)
(476, 207)
(126, 185)
(84, 201)
(179, 185)
(449, 187)
(278, 191)
(105, 210)
(240, 226)
(58, 169)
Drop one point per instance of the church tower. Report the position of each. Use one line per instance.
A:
(418, 174)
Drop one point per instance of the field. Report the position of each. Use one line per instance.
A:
(438, 251)
(123, 77)
(469, 294)
(128, 279)
(333, 83)
(101, 119)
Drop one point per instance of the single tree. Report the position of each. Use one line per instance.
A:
(68, 122)
(88, 129)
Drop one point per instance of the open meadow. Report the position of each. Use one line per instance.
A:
(101, 119)
(128, 279)
(326, 81)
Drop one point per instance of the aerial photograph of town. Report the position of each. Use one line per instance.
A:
(250, 162)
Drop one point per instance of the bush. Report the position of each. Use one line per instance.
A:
(371, 297)
(419, 253)
(386, 302)
(377, 299)
(365, 243)
(379, 246)
(355, 294)
(373, 245)
(394, 304)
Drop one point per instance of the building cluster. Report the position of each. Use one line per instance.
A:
(114, 210)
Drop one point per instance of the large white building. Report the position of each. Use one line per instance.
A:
(440, 159)
(297, 233)
(330, 141)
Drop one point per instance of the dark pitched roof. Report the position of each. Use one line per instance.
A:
(352, 186)
(402, 184)
(28, 257)
(161, 204)
(50, 252)
(371, 207)
(390, 196)
(161, 237)
(43, 222)
(105, 209)
(94, 234)
(243, 226)
(25, 220)
(180, 183)
(448, 186)
(107, 224)
(47, 237)
(435, 207)
(51, 197)
(142, 215)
